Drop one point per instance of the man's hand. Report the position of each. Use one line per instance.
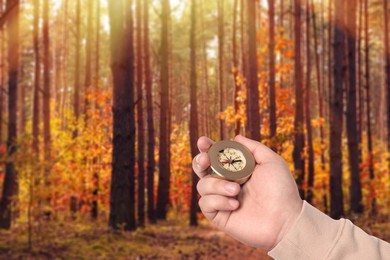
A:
(260, 212)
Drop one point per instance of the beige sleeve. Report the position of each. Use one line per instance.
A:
(317, 236)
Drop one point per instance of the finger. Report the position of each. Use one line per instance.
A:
(261, 152)
(211, 204)
(201, 164)
(204, 143)
(215, 186)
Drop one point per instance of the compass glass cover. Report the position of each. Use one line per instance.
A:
(231, 159)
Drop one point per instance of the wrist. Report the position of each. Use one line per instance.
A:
(291, 218)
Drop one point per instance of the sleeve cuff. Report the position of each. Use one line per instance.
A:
(313, 236)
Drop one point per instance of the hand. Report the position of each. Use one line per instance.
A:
(260, 212)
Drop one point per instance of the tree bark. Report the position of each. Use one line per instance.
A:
(37, 78)
(140, 120)
(271, 57)
(88, 61)
(150, 122)
(299, 139)
(193, 115)
(310, 174)
(235, 67)
(46, 89)
(387, 67)
(10, 185)
(355, 190)
(368, 105)
(253, 115)
(76, 101)
(221, 61)
(336, 115)
(122, 193)
(164, 164)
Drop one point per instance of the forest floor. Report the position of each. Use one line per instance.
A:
(172, 239)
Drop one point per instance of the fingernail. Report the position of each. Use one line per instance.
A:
(233, 203)
(231, 187)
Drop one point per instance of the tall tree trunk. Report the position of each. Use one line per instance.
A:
(96, 176)
(368, 106)
(336, 115)
(10, 185)
(46, 89)
(64, 62)
(2, 74)
(122, 192)
(355, 190)
(88, 61)
(359, 98)
(310, 175)
(140, 120)
(387, 67)
(205, 92)
(37, 76)
(299, 139)
(150, 122)
(252, 86)
(193, 114)
(164, 164)
(221, 64)
(320, 88)
(76, 101)
(271, 54)
(235, 67)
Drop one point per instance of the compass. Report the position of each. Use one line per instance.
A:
(231, 161)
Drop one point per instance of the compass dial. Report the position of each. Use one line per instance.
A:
(231, 159)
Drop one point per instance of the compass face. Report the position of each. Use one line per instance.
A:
(231, 159)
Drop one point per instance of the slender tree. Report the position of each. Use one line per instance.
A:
(235, 66)
(221, 64)
(355, 190)
(10, 185)
(76, 101)
(252, 86)
(336, 115)
(46, 89)
(310, 174)
(37, 78)
(299, 139)
(88, 60)
(387, 65)
(164, 165)
(271, 57)
(140, 119)
(193, 114)
(368, 102)
(2, 74)
(151, 163)
(122, 192)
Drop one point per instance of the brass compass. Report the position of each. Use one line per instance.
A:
(232, 161)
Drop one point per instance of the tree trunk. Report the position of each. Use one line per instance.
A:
(320, 88)
(387, 67)
(299, 139)
(235, 67)
(368, 107)
(76, 107)
(336, 115)
(10, 185)
(96, 176)
(310, 175)
(88, 61)
(140, 120)
(46, 89)
(355, 190)
(253, 115)
(205, 92)
(194, 135)
(2, 74)
(221, 64)
(122, 193)
(150, 122)
(164, 164)
(271, 54)
(359, 98)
